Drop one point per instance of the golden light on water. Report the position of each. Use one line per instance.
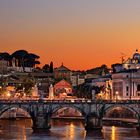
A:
(72, 131)
(24, 133)
(113, 133)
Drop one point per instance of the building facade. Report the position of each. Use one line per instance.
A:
(63, 88)
(126, 84)
(77, 79)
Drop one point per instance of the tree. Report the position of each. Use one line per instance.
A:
(20, 55)
(85, 90)
(46, 68)
(7, 57)
(25, 59)
(51, 67)
(27, 82)
(104, 68)
(31, 60)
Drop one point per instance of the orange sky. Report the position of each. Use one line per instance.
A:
(81, 35)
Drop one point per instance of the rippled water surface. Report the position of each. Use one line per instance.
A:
(63, 130)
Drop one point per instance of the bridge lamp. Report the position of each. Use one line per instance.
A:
(8, 94)
(72, 100)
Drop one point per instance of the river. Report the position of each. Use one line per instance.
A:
(63, 130)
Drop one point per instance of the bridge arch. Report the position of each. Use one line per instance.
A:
(59, 107)
(5, 108)
(131, 109)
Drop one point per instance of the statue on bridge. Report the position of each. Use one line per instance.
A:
(35, 91)
(51, 92)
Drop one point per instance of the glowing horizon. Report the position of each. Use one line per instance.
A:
(81, 34)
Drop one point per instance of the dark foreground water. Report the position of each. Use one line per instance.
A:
(63, 130)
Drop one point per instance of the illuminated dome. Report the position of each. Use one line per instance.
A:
(136, 55)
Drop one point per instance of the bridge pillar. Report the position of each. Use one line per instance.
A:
(138, 127)
(41, 122)
(138, 124)
(93, 123)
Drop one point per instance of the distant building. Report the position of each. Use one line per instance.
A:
(126, 79)
(41, 79)
(105, 83)
(117, 67)
(62, 87)
(3, 66)
(91, 76)
(101, 81)
(62, 72)
(77, 79)
(15, 67)
(132, 63)
(126, 84)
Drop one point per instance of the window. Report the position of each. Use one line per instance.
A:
(127, 88)
(138, 87)
(127, 94)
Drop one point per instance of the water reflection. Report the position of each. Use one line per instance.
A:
(96, 134)
(63, 130)
(113, 133)
(71, 131)
(16, 130)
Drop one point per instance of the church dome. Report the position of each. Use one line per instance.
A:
(136, 55)
(63, 68)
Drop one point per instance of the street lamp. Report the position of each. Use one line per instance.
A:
(116, 93)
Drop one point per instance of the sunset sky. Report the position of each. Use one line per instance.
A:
(80, 33)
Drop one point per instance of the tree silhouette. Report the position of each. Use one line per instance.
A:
(20, 55)
(46, 68)
(25, 59)
(7, 57)
(51, 67)
(85, 91)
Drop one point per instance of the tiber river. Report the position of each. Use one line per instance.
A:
(63, 130)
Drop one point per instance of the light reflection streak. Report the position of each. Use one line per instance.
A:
(113, 134)
(72, 131)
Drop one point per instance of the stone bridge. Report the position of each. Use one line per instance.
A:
(93, 112)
